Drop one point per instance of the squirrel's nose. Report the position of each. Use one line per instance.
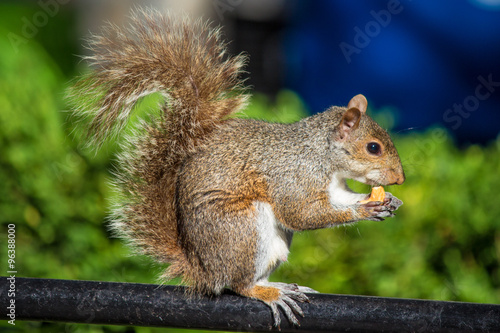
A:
(396, 177)
(401, 178)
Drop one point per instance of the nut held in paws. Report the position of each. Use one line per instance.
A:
(378, 194)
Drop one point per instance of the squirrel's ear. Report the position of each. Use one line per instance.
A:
(358, 102)
(349, 122)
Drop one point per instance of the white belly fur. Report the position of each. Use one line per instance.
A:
(274, 241)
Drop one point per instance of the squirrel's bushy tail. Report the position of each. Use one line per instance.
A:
(185, 61)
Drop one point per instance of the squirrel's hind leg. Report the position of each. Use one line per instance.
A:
(277, 296)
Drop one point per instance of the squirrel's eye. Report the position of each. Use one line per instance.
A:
(373, 148)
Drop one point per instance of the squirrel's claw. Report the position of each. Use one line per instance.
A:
(276, 313)
(392, 202)
(289, 296)
(290, 308)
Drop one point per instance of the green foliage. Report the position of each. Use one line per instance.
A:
(287, 108)
(444, 243)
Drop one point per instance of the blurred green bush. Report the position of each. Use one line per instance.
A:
(444, 244)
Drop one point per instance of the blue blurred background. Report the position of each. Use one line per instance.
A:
(427, 59)
(424, 59)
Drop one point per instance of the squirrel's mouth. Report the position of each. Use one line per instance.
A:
(381, 177)
(372, 183)
(384, 177)
(368, 181)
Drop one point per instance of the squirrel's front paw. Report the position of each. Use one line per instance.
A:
(375, 211)
(378, 210)
(392, 202)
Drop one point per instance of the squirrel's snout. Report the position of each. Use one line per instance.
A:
(396, 177)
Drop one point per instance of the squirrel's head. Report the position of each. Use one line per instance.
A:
(368, 152)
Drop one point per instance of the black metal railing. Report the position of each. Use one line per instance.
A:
(168, 306)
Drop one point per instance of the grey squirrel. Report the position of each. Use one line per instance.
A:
(219, 198)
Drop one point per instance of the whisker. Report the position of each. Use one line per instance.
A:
(407, 129)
